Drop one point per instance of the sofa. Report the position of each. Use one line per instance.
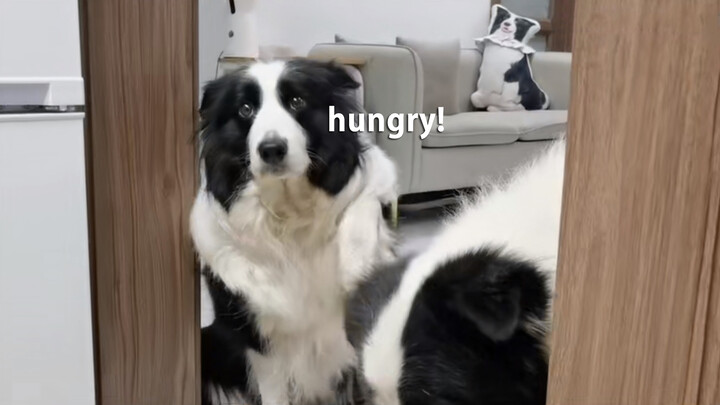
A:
(474, 144)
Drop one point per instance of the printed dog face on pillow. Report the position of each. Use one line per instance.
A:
(504, 25)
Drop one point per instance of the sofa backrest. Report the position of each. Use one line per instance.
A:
(468, 73)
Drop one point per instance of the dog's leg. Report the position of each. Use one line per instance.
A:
(272, 382)
(351, 390)
(223, 365)
(327, 364)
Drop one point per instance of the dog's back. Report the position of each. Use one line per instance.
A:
(466, 321)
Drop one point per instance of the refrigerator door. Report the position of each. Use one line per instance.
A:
(46, 344)
(39, 38)
(40, 53)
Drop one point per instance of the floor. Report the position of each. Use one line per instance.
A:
(415, 231)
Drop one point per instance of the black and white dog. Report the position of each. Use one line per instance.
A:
(466, 321)
(287, 221)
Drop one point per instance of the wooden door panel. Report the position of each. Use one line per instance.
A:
(639, 195)
(707, 348)
(140, 68)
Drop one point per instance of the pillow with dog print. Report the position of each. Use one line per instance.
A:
(506, 82)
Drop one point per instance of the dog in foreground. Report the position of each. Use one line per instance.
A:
(466, 321)
(287, 222)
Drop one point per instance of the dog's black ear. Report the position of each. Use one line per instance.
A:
(339, 76)
(219, 99)
(328, 74)
(503, 293)
(492, 291)
(495, 310)
(335, 172)
(211, 94)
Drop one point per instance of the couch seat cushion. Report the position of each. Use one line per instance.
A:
(495, 128)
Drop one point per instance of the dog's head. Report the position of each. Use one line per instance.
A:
(507, 25)
(270, 120)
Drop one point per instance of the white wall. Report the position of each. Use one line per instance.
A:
(301, 24)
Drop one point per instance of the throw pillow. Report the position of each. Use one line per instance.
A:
(440, 62)
(506, 82)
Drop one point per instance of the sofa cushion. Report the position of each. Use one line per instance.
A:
(440, 61)
(495, 128)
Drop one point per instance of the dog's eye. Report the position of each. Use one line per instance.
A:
(246, 111)
(297, 103)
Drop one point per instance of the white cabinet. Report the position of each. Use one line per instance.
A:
(46, 345)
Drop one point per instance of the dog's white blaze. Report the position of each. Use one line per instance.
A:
(523, 217)
(272, 117)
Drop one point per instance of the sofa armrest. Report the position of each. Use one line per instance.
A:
(551, 71)
(393, 83)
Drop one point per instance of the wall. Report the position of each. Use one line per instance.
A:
(301, 24)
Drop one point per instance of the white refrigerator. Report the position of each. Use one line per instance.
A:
(46, 344)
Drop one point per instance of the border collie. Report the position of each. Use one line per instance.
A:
(288, 220)
(466, 321)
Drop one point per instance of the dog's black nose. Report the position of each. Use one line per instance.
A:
(272, 151)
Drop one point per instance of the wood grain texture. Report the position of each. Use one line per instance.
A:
(141, 96)
(545, 27)
(639, 228)
(708, 390)
(561, 18)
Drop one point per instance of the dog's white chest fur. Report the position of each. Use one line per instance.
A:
(289, 248)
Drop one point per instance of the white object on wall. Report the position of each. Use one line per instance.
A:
(242, 33)
(302, 24)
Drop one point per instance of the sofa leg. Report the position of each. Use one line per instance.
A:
(394, 214)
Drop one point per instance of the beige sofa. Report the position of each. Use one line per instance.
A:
(474, 144)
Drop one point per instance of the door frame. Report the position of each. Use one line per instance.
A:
(140, 69)
(142, 171)
(636, 317)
